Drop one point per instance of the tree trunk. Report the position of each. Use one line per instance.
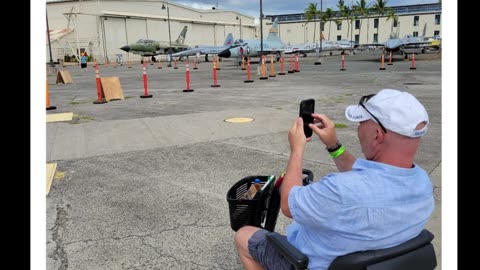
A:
(329, 29)
(368, 27)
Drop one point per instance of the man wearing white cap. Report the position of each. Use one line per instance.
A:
(373, 203)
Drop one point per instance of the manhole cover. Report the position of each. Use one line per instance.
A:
(239, 120)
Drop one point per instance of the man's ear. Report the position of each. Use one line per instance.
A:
(380, 136)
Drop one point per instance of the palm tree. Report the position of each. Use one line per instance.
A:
(341, 7)
(391, 15)
(311, 14)
(327, 16)
(362, 9)
(346, 14)
(381, 9)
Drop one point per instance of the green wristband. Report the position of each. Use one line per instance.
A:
(338, 152)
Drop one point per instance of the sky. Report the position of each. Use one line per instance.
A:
(273, 7)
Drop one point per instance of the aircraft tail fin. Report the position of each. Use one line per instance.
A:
(424, 31)
(228, 40)
(181, 37)
(273, 32)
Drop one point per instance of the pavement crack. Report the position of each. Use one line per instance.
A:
(59, 252)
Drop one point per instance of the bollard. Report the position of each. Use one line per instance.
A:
(48, 101)
(343, 63)
(214, 75)
(382, 63)
(187, 77)
(159, 65)
(175, 64)
(390, 61)
(218, 62)
(145, 81)
(264, 75)
(100, 99)
(114, 64)
(128, 61)
(243, 63)
(248, 80)
(297, 68)
(291, 64)
(195, 62)
(282, 72)
(413, 62)
(272, 67)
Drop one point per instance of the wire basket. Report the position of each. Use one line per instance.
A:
(245, 211)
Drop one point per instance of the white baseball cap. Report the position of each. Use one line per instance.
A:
(397, 111)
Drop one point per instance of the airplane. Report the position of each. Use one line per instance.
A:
(206, 49)
(327, 45)
(402, 45)
(243, 48)
(148, 47)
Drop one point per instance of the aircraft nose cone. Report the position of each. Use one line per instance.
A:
(225, 53)
(125, 48)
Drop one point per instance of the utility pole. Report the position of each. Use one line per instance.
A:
(169, 37)
(49, 44)
(321, 20)
(261, 29)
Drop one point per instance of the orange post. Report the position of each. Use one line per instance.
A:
(390, 60)
(195, 63)
(217, 59)
(297, 68)
(214, 75)
(159, 65)
(291, 64)
(282, 72)
(382, 63)
(48, 101)
(145, 82)
(264, 75)
(175, 64)
(187, 77)
(100, 99)
(128, 61)
(272, 67)
(413, 62)
(114, 64)
(248, 80)
(343, 63)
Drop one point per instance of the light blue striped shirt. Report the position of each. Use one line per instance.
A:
(373, 206)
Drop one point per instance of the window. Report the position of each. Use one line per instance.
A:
(437, 19)
(415, 20)
(339, 37)
(415, 34)
(375, 38)
(395, 22)
(375, 23)
(357, 38)
(436, 33)
(322, 26)
(339, 26)
(357, 24)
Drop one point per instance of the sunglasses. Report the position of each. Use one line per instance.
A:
(362, 102)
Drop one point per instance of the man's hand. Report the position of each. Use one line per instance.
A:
(325, 129)
(296, 137)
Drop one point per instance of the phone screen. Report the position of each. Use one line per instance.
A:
(307, 107)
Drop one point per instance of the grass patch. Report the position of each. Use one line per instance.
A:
(340, 125)
(348, 95)
(279, 108)
(128, 97)
(86, 117)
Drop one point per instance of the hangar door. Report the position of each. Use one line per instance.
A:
(115, 36)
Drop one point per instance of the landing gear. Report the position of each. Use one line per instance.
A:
(153, 59)
(278, 56)
(206, 57)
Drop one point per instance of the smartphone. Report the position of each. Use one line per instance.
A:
(307, 107)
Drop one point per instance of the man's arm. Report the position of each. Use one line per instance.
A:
(293, 175)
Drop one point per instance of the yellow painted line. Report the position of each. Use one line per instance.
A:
(239, 120)
(51, 167)
(57, 117)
